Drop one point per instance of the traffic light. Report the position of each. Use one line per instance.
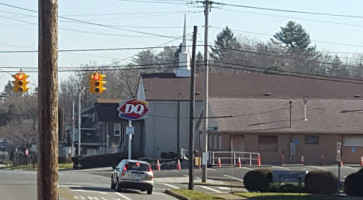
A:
(20, 83)
(96, 83)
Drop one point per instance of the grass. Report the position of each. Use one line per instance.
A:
(195, 195)
(61, 166)
(285, 196)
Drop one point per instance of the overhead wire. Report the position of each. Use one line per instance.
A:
(291, 11)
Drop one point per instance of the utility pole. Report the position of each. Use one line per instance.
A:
(73, 127)
(206, 91)
(79, 123)
(191, 113)
(47, 177)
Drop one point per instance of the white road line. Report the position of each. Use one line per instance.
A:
(211, 189)
(246, 168)
(350, 168)
(211, 169)
(172, 186)
(232, 177)
(123, 196)
(80, 190)
(224, 188)
(319, 168)
(285, 168)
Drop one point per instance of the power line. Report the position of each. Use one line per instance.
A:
(291, 11)
(286, 73)
(304, 19)
(158, 1)
(290, 58)
(92, 23)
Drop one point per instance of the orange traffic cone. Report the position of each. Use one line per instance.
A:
(239, 162)
(178, 166)
(302, 160)
(157, 165)
(259, 160)
(219, 162)
(341, 163)
(361, 161)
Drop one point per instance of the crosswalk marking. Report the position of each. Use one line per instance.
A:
(172, 186)
(234, 178)
(211, 189)
(123, 196)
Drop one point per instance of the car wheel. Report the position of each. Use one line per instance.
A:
(113, 185)
(118, 187)
(150, 190)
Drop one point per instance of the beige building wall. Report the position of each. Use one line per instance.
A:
(323, 153)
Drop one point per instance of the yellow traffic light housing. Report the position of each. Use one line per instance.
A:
(20, 83)
(97, 83)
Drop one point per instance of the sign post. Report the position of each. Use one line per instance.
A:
(132, 110)
(339, 159)
(130, 132)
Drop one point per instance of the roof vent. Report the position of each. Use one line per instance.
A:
(356, 96)
(267, 94)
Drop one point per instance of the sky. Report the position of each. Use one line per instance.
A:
(334, 26)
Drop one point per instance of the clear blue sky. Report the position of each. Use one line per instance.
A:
(19, 29)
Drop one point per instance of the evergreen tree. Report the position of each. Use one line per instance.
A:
(223, 44)
(295, 39)
(8, 90)
(338, 68)
(145, 57)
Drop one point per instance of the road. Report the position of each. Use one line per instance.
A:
(94, 184)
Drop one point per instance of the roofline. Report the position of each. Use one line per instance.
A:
(234, 132)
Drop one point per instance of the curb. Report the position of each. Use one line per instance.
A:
(220, 185)
(174, 194)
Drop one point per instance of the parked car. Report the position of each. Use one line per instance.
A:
(133, 174)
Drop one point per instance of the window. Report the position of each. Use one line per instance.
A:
(117, 129)
(267, 142)
(311, 139)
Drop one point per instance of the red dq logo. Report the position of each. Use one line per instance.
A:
(133, 109)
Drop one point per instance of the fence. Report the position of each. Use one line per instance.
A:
(232, 157)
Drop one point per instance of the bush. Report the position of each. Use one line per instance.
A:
(353, 184)
(284, 188)
(321, 182)
(64, 160)
(257, 179)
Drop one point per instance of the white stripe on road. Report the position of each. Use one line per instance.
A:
(232, 177)
(350, 168)
(285, 168)
(211, 189)
(172, 186)
(224, 188)
(319, 168)
(123, 196)
(246, 168)
(211, 169)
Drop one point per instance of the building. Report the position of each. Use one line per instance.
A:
(284, 118)
(253, 113)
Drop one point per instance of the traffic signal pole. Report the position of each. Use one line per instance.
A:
(47, 177)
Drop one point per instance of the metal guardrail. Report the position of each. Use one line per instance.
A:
(232, 157)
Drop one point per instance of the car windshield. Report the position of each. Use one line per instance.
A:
(137, 166)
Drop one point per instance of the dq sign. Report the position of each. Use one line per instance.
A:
(133, 109)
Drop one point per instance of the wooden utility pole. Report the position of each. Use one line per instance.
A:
(207, 6)
(48, 100)
(191, 113)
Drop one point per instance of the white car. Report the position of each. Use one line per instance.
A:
(133, 174)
